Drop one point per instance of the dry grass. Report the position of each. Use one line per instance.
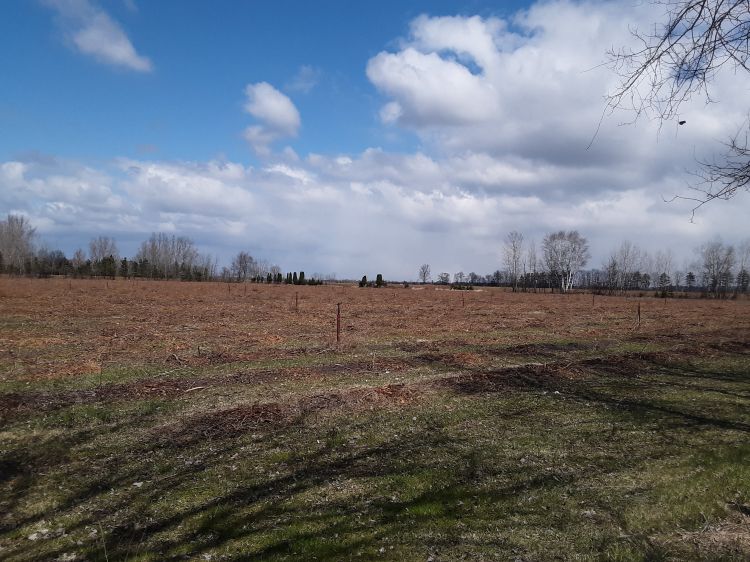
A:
(172, 420)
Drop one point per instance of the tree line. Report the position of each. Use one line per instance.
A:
(718, 269)
(161, 256)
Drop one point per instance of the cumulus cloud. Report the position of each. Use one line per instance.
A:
(91, 31)
(277, 114)
(533, 86)
(504, 110)
(341, 213)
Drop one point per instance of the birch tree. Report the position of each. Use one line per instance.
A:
(16, 243)
(565, 253)
(512, 255)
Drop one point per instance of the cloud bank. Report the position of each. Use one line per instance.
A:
(504, 110)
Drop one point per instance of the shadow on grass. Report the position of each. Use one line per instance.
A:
(430, 489)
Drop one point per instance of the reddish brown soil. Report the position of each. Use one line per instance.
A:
(58, 328)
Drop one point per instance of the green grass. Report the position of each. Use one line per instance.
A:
(617, 461)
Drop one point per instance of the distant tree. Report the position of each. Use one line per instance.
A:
(108, 267)
(512, 255)
(301, 277)
(743, 280)
(101, 249)
(444, 278)
(295, 280)
(424, 273)
(363, 281)
(458, 277)
(565, 253)
(168, 256)
(665, 284)
(17, 238)
(242, 265)
(379, 280)
(533, 264)
(742, 258)
(78, 261)
(622, 265)
(717, 262)
(678, 277)
(124, 273)
(690, 280)
(725, 282)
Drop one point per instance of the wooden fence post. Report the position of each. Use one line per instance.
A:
(338, 323)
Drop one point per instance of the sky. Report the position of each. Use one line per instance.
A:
(347, 137)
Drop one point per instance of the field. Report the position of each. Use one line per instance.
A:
(163, 421)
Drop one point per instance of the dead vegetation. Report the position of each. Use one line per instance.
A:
(179, 420)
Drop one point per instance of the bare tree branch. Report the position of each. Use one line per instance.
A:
(680, 59)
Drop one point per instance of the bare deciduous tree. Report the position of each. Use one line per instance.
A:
(662, 264)
(679, 59)
(717, 262)
(424, 272)
(565, 253)
(167, 255)
(623, 265)
(79, 259)
(243, 267)
(16, 242)
(103, 247)
(512, 255)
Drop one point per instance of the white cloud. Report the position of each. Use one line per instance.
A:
(91, 31)
(504, 111)
(431, 90)
(277, 114)
(533, 87)
(306, 78)
(349, 214)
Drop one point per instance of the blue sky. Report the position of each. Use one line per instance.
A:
(344, 136)
(203, 54)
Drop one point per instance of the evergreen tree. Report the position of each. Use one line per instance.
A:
(690, 280)
(379, 280)
(124, 268)
(295, 281)
(363, 282)
(301, 277)
(743, 280)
